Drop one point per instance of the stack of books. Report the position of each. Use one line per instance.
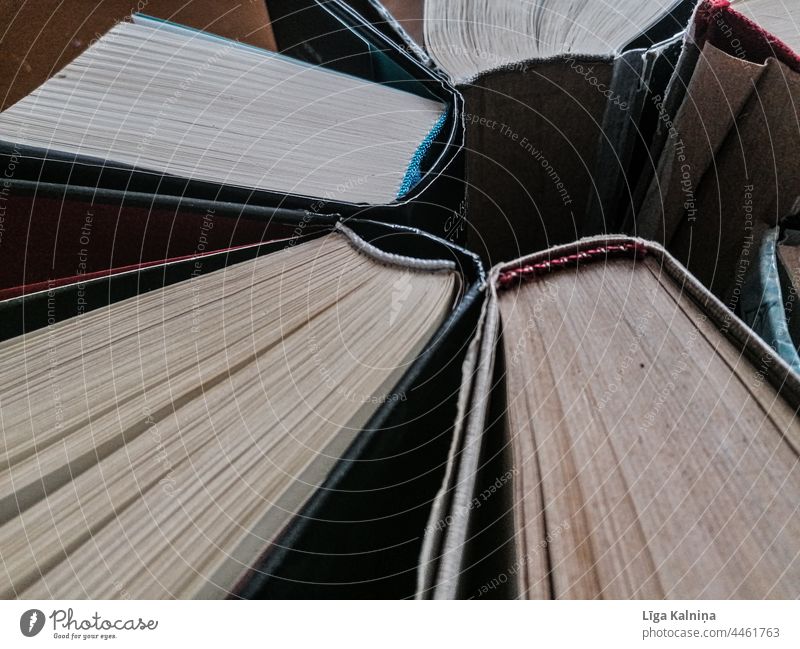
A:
(251, 349)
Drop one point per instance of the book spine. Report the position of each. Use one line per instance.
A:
(510, 278)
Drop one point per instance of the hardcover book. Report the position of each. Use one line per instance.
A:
(206, 416)
(215, 119)
(622, 435)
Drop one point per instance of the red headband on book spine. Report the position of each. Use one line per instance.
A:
(515, 276)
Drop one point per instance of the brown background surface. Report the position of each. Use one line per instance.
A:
(410, 14)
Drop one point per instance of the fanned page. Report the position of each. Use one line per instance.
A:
(171, 100)
(468, 37)
(154, 448)
(651, 458)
